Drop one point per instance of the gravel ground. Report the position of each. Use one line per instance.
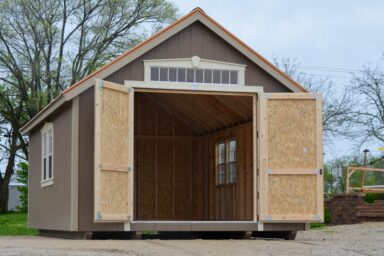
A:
(360, 239)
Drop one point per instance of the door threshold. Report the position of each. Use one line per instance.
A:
(189, 226)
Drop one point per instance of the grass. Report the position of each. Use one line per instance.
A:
(15, 224)
(318, 225)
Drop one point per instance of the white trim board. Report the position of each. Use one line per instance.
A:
(168, 87)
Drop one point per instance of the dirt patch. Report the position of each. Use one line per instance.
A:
(359, 239)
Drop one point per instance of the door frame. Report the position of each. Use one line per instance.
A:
(191, 88)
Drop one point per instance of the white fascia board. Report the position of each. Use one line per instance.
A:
(193, 87)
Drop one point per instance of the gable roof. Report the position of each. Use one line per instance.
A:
(196, 14)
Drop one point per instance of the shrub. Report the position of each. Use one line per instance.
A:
(327, 215)
(22, 177)
(370, 198)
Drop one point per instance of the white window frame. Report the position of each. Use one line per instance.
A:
(46, 154)
(194, 62)
(227, 162)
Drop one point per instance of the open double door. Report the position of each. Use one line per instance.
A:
(288, 186)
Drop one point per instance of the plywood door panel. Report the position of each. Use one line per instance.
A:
(112, 158)
(291, 187)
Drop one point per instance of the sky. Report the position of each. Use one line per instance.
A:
(329, 38)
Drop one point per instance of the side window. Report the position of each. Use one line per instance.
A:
(232, 161)
(220, 151)
(226, 162)
(47, 154)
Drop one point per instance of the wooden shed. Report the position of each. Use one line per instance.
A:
(191, 130)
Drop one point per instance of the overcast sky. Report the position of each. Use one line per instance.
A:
(329, 38)
(330, 33)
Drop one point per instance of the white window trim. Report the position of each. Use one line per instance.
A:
(194, 62)
(49, 181)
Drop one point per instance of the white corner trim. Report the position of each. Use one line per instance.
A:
(194, 62)
(74, 163)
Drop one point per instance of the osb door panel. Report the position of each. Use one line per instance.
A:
(291, 181)
(112, 154)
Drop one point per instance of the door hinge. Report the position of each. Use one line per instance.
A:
(257, 134)
(321, 171)
(257, 195)
(257, 172)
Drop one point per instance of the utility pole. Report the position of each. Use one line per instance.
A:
(362, 179)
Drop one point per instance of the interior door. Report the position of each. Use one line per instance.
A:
(113, 155)
(290, 176)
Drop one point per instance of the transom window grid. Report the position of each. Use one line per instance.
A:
(194, 75)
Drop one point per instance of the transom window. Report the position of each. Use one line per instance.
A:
(47, 154)
(194, 75)
(194, 70)
(226, 162)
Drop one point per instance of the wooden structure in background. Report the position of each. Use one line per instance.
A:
(362, 187)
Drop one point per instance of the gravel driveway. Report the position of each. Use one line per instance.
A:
(360, 239)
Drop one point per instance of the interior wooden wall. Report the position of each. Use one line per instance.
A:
(168, 180)
(175, 169)
(230, 201)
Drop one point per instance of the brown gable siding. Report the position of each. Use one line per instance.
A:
(50, 207)
(198, 40)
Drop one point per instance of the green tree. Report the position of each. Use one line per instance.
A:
(47, 45)
(22, 177)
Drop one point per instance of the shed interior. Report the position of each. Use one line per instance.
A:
(176, 137)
